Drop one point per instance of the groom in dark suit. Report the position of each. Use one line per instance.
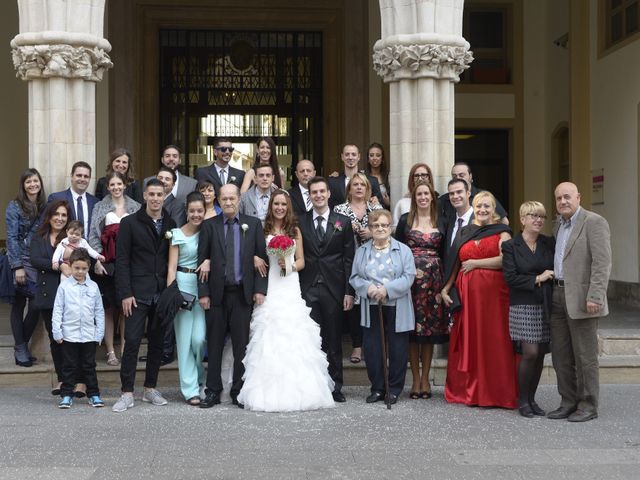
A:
(324, 282)
(230, 241)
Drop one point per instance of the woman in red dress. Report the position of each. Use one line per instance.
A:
(482, 365)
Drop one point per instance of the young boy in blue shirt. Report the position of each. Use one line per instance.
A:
(78, 325)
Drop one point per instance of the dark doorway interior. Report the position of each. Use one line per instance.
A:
(487, 153)
(241, 85)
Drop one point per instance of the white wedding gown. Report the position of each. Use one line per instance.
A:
(285, 368)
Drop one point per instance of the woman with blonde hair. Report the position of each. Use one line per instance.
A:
(482, 366)
(357, 208)
(527, 263)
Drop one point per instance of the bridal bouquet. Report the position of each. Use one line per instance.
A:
(282, 246)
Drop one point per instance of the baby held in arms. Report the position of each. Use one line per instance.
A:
(67, 245)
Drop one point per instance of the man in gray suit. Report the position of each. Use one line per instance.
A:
(184, 185)
(582, 265)
(255, 201)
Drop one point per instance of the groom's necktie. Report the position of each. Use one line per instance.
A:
(230, 260)
(223, 176)
(320, 229)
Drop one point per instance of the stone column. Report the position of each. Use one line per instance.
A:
(421, 55)
(61, 53)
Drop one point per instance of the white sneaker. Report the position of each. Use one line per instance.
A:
(153, 396)
(124, 402)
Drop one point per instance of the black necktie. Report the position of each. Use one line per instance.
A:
(80, 213)
(320, 228)
(230, 270)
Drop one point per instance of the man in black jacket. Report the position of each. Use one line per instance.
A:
(142, 251)
(324, 282)
(230, 241)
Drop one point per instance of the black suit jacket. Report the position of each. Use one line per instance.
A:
(211, 245)
(445, 225)
(175, 209)
(68, 197)
(48, 279)
(141, 256)
(211, 174)
(297, 200)
(520, 266)
(330, 260)
(338, 190)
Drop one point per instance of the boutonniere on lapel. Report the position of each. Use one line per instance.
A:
(338, 225)
(244, 228)
(232, 179)
(168, 235)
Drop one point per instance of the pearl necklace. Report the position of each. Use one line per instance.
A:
(384, 247)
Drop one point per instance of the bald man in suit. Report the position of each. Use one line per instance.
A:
(582, 265)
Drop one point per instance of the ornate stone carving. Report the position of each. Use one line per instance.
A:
(45, 61)
(396, 62)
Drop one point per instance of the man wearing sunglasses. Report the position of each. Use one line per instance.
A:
(221, 173)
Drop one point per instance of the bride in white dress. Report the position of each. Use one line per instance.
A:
(285, 368)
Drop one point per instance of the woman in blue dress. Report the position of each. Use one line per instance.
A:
(190, 326)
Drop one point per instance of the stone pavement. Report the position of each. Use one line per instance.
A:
(418, 439)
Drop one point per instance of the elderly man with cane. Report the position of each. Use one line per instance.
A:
(382, 275)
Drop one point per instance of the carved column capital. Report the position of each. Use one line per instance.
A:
(61, 60)
(398, 61)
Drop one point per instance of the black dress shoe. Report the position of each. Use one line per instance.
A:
(582, 416)
(210, 400)
(166, 359)
(234, 400)
(392, 399)
(338, 397)
(375, 397)
(526, 411)
(536, 409)
(560, 413)
(142, 358)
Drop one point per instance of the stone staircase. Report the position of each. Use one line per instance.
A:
(618, 337)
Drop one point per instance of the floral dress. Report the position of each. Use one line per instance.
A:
(431, 322)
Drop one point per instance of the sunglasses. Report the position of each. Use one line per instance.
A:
(225, 149)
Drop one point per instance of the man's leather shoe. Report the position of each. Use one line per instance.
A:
(535, 408)
(338, 397)
(142, 358)
(234, 400)
(392, 399)
(375, 397)
(560, 413)
(210, 400)
(582, 416)
(166, 359)
(526, 411)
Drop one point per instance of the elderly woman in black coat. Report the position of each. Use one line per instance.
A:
(527, 263)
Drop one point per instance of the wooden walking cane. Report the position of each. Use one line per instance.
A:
(384, 358)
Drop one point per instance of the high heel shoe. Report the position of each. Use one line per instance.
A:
(21, 355)
(112, 360)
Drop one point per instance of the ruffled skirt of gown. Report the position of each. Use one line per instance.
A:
(285, 368)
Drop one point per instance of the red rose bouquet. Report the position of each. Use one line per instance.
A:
(282, 246)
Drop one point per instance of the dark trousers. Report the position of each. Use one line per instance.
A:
(355, 330)
(22, 326)
(169, 345)
(397, 351)
(79, 356)
(574, 351)
(233, 315)
(328, 314)
(133, 333)
(56, 348)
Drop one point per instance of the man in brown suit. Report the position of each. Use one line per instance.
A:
(582, 265)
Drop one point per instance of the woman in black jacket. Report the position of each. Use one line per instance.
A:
(527, 263)
(43, 244)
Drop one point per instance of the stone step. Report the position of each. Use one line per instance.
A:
(619, 342)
